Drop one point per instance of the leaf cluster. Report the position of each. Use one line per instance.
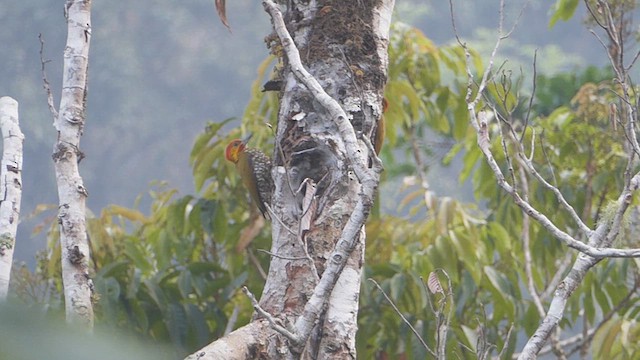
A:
(173, 275)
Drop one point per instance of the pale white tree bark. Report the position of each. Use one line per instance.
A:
(10, 187)
(72, 194)
(329, 110)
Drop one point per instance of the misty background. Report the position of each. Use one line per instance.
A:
(160, 70)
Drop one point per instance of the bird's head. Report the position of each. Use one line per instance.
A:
(234, 149)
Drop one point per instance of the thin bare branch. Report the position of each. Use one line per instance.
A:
(256, 263)
(506, 342)
(232, 320)
(275, 323)
(596, 252)
(533, 95)
(528, 163)
(281, 256)
(557, 277)
(444, 326)
(404, 319)
(273, 215)
(526, 247)
(45, 81)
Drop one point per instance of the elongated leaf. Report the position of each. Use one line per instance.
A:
(221, 8)
(564, 10)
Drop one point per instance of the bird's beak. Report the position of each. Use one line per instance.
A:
(247, 138)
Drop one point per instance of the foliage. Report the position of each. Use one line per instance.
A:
(577, 147)
(173, 275)
(564, 10)
(173, 278)
(422, 94)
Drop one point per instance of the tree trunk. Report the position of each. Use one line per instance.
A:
(72, 194)
(334, 71)
(10, 187)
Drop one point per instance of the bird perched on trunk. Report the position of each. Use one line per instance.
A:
(378, 138)
(254, 168)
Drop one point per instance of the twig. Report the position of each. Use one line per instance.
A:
(45, 81)
(580, 339)
(526, 247)
(256, 263)
(527, 162)
(275, 323)
(557, 277)
(506, 342)
(331, 105)
(281, 256)
(591, 250)
(275, 216)
(232, 320)
(533, 94)
(547, 160)
(308, 202)
(443, 327)
(404, 319)
(603, 235)
(592, 332)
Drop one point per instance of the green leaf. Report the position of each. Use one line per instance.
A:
(197, 320)
(200, 268)
(471, 337)
(503, 288)
(203, 139)
(230, 290)
(207, 213)
(398, 284)
(469, 162)
(605, 338)
(563, 10)
(115, 269)
(500, 237)
(184, 283)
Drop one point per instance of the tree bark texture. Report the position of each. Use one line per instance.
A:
(72, 194)
(334, 69)
(10, 187)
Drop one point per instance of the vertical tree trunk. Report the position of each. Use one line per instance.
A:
(330, 107)
(10, 187)
(69, 123)
(344, 46)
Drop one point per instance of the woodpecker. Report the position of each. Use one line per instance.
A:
(254, 168)
(378, 138)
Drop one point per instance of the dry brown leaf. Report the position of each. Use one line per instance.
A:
(434, 284)
(309, 206)
(222, 13)
(256, 223)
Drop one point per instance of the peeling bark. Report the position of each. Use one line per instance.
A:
(10, 187)
(245, 343)
(334, 72)
(72, 194)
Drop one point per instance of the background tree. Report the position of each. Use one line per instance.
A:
(11, 186)
(69, 122)
(174, 275)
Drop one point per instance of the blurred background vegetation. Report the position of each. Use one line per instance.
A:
(168, 211)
